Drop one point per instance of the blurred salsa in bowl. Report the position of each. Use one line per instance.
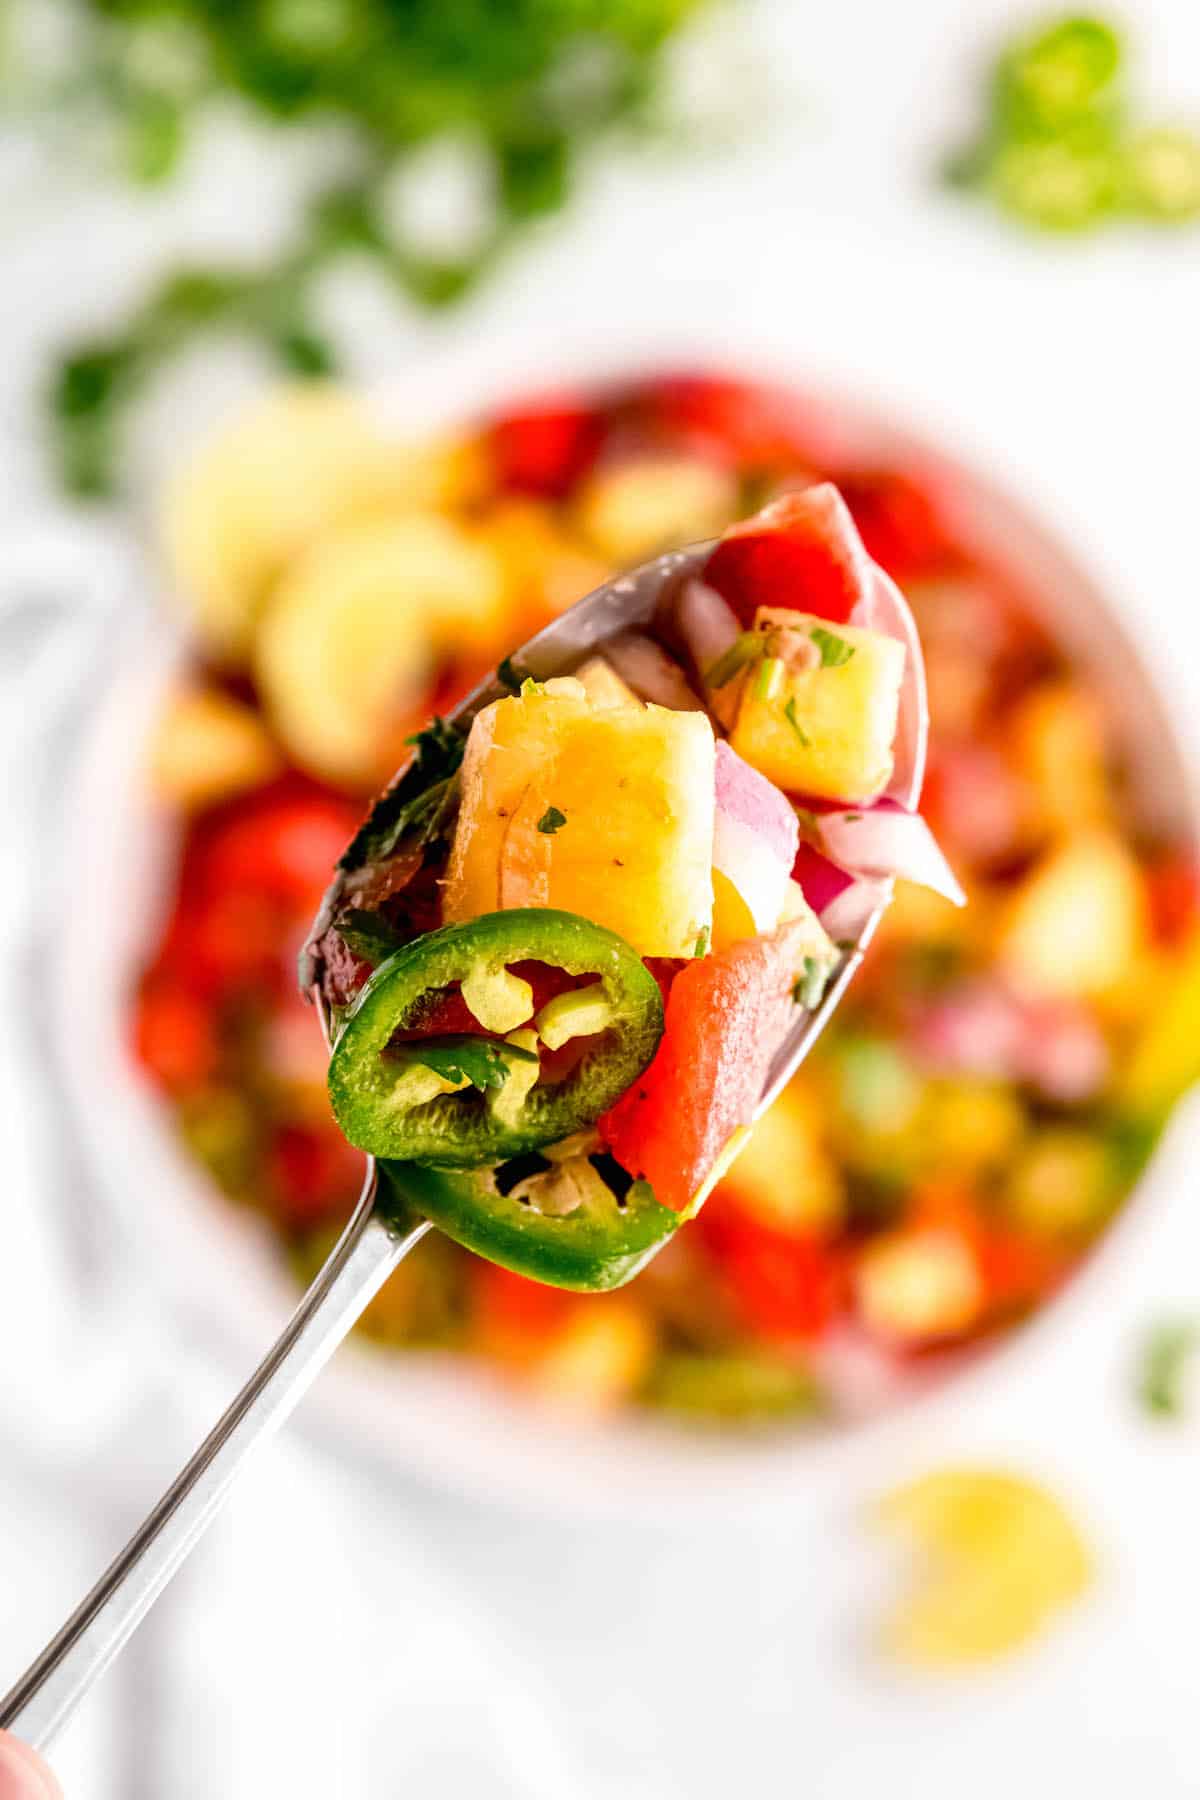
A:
(986, 1096)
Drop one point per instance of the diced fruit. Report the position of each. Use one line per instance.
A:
(742, 422)
(272, 484)
(1006, 1557)
(545, 449)
(603, 686)
(785, 1285)
(1057, 737)
(633, 509)
(600, 1357)
(785, 1177)
(208, 747)
(600, 811)
(919, 1283)
(1063, 1186)
(897, 520)
(1166, 1058)
(175, 1036)
(545, 569)
(726, 1017)
(1076, 926)
(802, 551)
(829, 731)
(352, 638)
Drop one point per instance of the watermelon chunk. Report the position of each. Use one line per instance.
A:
(802, 551)
(727, 1015)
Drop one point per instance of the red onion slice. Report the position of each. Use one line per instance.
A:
(650, 672)
(888, 841)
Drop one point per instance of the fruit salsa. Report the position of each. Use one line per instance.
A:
(994, 1078)
(577, 946)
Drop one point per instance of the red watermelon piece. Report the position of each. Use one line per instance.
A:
(802, 551)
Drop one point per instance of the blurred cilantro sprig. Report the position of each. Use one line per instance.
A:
(531, 83)
(1060, 147)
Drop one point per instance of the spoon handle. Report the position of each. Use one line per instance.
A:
(45, 1696)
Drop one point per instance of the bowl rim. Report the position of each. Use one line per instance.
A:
(477, 1437)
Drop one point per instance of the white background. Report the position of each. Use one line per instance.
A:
(343, 1636)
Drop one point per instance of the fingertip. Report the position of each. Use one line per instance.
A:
(23, 1774)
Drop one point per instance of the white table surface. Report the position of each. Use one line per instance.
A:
(339, 1637)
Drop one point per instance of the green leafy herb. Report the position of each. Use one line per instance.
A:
(529, 87)
(746, 649)
(368, 935)
(835, 651)
(551, 821)
(1167, 1356)
(702, 942)
(420, 806)
(530, 688)
(789, 713)
(810, 986)
(483, 1061)
(851, 818)
(510, 677)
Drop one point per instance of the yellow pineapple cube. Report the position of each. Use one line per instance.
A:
(818, 714)
(1076, 927)
(602, 811)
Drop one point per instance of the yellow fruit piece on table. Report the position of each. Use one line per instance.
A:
(829, 728)
(600, 1356)
(635, 508)
(918, 1283)
(1056, 736)
(207, 747)
(1001, 1556)
(1076, 927)
(592, 810)
(785, 1177)
(274, 481)
(354, 632)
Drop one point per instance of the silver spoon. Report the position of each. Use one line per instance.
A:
(379, 1236)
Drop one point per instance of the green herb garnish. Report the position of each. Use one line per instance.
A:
(551, 821)
(810, 986)
(1167, 1355)
(482, 1061)
(769, 678)
(420, 806)
(835, 651)
(789, 713)
(530, 688)
(746, 649)
(702, 942)
(368, 935)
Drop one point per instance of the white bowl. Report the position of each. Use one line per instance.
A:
(217, 1270)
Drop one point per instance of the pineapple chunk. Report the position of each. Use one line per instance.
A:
(785, 1177)
(918, 1283)
(349, 641)
(604, 686)
(828, 727)
(632, 509)
(1076, 927)
(633, 794)
(208, 747)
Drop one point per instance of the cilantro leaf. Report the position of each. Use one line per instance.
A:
(368, 935)
(483, 1061)
(834, 649)
(789, 713)
(809, 989)
(702, 942)
(1168, 1352)
(551, 821)
(420, 805)
(747, 648)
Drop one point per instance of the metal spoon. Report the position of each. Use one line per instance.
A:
(379, 1235)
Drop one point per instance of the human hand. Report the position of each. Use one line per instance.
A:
(23, 1774)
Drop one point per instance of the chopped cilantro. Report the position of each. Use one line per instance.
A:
(834, 649)
(810, 986)
(530, 688)
(747, 648)
(368, 935)
(551, 821)
(1166, 1357)
(789, 713)
(482, 1061)
(701, 948)
(420, 806)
